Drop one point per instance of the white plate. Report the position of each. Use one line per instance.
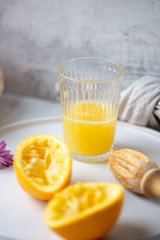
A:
(21, 216)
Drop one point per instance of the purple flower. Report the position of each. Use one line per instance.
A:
(6, 159)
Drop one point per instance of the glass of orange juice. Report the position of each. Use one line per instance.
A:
(90, 90)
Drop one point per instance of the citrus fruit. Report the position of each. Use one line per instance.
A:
(84, 210)
(42, 165)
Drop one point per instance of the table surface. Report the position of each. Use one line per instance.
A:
(15, 108)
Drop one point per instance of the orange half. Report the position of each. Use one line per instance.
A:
(42, 165)
(84, 210)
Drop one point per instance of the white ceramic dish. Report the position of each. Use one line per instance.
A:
(21, 216)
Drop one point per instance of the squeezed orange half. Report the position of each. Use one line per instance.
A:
(89, 128)
(85, 210)
(42, 165)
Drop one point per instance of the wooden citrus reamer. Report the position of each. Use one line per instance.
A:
(136, 172)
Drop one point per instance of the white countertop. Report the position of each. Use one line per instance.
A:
(15, 108)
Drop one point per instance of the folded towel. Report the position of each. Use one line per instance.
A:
(140, 103)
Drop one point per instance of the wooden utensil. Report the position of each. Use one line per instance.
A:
(135, 171)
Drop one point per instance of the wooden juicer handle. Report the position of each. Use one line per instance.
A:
(150, 183)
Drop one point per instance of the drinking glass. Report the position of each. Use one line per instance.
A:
(90, 90)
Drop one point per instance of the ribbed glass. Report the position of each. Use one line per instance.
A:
(90, 90)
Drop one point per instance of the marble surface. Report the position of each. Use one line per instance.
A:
(16, 108)
(36, 36)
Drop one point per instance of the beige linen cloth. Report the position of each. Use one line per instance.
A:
(140, 103)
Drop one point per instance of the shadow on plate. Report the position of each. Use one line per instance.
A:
(118, 147)
(128, 232)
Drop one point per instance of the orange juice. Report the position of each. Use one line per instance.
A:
(89, 128)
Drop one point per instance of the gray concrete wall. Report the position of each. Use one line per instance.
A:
(37, 35)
